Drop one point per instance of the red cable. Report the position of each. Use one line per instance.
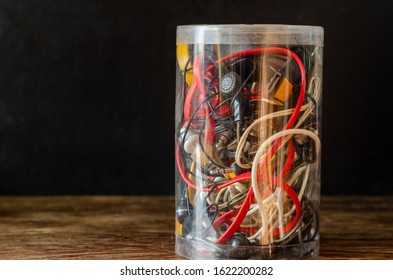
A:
(238, 219)
(197, 74)
(292, 194)
(289, 161)
(246, 205)
(197, 80)
(247, 176)
(235, 225)
(286, 168)
(188, 102)
(197, 83)
(284, 172)
(224, 218)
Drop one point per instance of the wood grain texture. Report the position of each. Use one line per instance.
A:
(356, 227)
(141, 227)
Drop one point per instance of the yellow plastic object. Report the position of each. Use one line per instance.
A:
(283, 92)
(178, 227)
(183, 55)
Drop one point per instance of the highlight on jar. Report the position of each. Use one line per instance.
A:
(248, 150)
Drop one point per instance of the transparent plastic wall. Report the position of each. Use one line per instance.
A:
(248, 151)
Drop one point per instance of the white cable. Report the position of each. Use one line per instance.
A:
(289, 182)
(261, 150)
(314, 87)
(302, 189)
(243, 139)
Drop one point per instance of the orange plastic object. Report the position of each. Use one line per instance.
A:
(283, 92)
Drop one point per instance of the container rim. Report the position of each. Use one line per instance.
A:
(249, 33)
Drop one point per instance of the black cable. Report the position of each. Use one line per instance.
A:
(183, 158)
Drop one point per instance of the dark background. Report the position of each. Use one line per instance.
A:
(87, 91)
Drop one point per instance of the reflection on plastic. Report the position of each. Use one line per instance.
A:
(247, 145)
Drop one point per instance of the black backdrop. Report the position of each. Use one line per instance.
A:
(87, 91)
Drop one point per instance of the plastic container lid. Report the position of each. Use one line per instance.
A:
(265, 34)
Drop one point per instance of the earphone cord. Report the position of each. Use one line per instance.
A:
(198, 83)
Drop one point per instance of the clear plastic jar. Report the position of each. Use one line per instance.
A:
(248, 152)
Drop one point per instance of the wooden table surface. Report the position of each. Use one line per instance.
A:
(141, 227)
